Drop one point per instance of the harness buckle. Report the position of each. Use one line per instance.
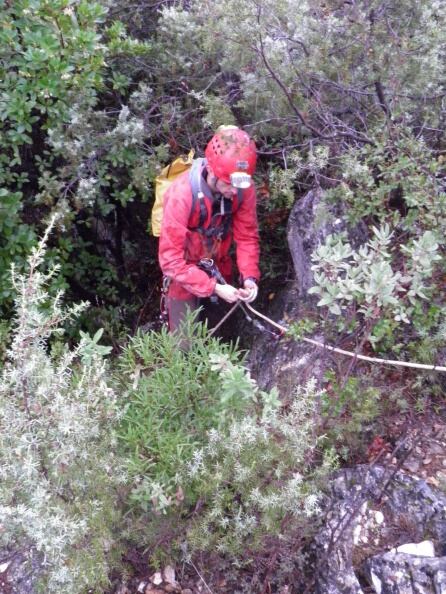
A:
(209, 266)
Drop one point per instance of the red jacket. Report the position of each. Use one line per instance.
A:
(181, 247)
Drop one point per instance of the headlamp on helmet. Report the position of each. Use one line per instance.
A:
(240, 179)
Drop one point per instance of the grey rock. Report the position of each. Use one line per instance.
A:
(334, 569)
(400, 573)
(412, 465)
(437, 448)
(367, 507)
(21, 571)
(287, 363)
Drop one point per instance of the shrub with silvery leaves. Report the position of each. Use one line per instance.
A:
(371, 278)
(59, 470)
(259, 478)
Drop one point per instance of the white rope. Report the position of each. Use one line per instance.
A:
(327, 347)
(224, 318)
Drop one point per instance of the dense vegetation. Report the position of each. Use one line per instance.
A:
(344, 97)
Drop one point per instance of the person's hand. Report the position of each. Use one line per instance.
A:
(249, 291)
(227, 293)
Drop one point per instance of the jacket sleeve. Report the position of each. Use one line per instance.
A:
(173, 239)
(246, 236)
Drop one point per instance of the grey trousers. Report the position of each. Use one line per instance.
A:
(177, 309)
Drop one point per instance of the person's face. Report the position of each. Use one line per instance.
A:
(218, 185)
(225, 189)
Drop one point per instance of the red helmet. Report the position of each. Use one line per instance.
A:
(232, 156)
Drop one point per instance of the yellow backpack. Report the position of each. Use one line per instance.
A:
(162, 182)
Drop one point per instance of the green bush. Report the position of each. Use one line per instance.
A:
(349, 409)
(62, 151)
(390, 283)
(172, 399)
(50, 52)
(200, 434)
(17, 239)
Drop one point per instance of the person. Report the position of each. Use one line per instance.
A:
(205, 227)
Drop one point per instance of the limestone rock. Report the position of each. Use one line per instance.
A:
(399, 573)
(286, 364)
(369, 511)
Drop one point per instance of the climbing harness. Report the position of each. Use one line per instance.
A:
(221, 215)
(209, 266)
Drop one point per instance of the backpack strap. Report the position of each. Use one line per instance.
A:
(196, 180)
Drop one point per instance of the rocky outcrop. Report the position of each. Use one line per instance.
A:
(286, 364)
(401, 573)
(371, 514)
